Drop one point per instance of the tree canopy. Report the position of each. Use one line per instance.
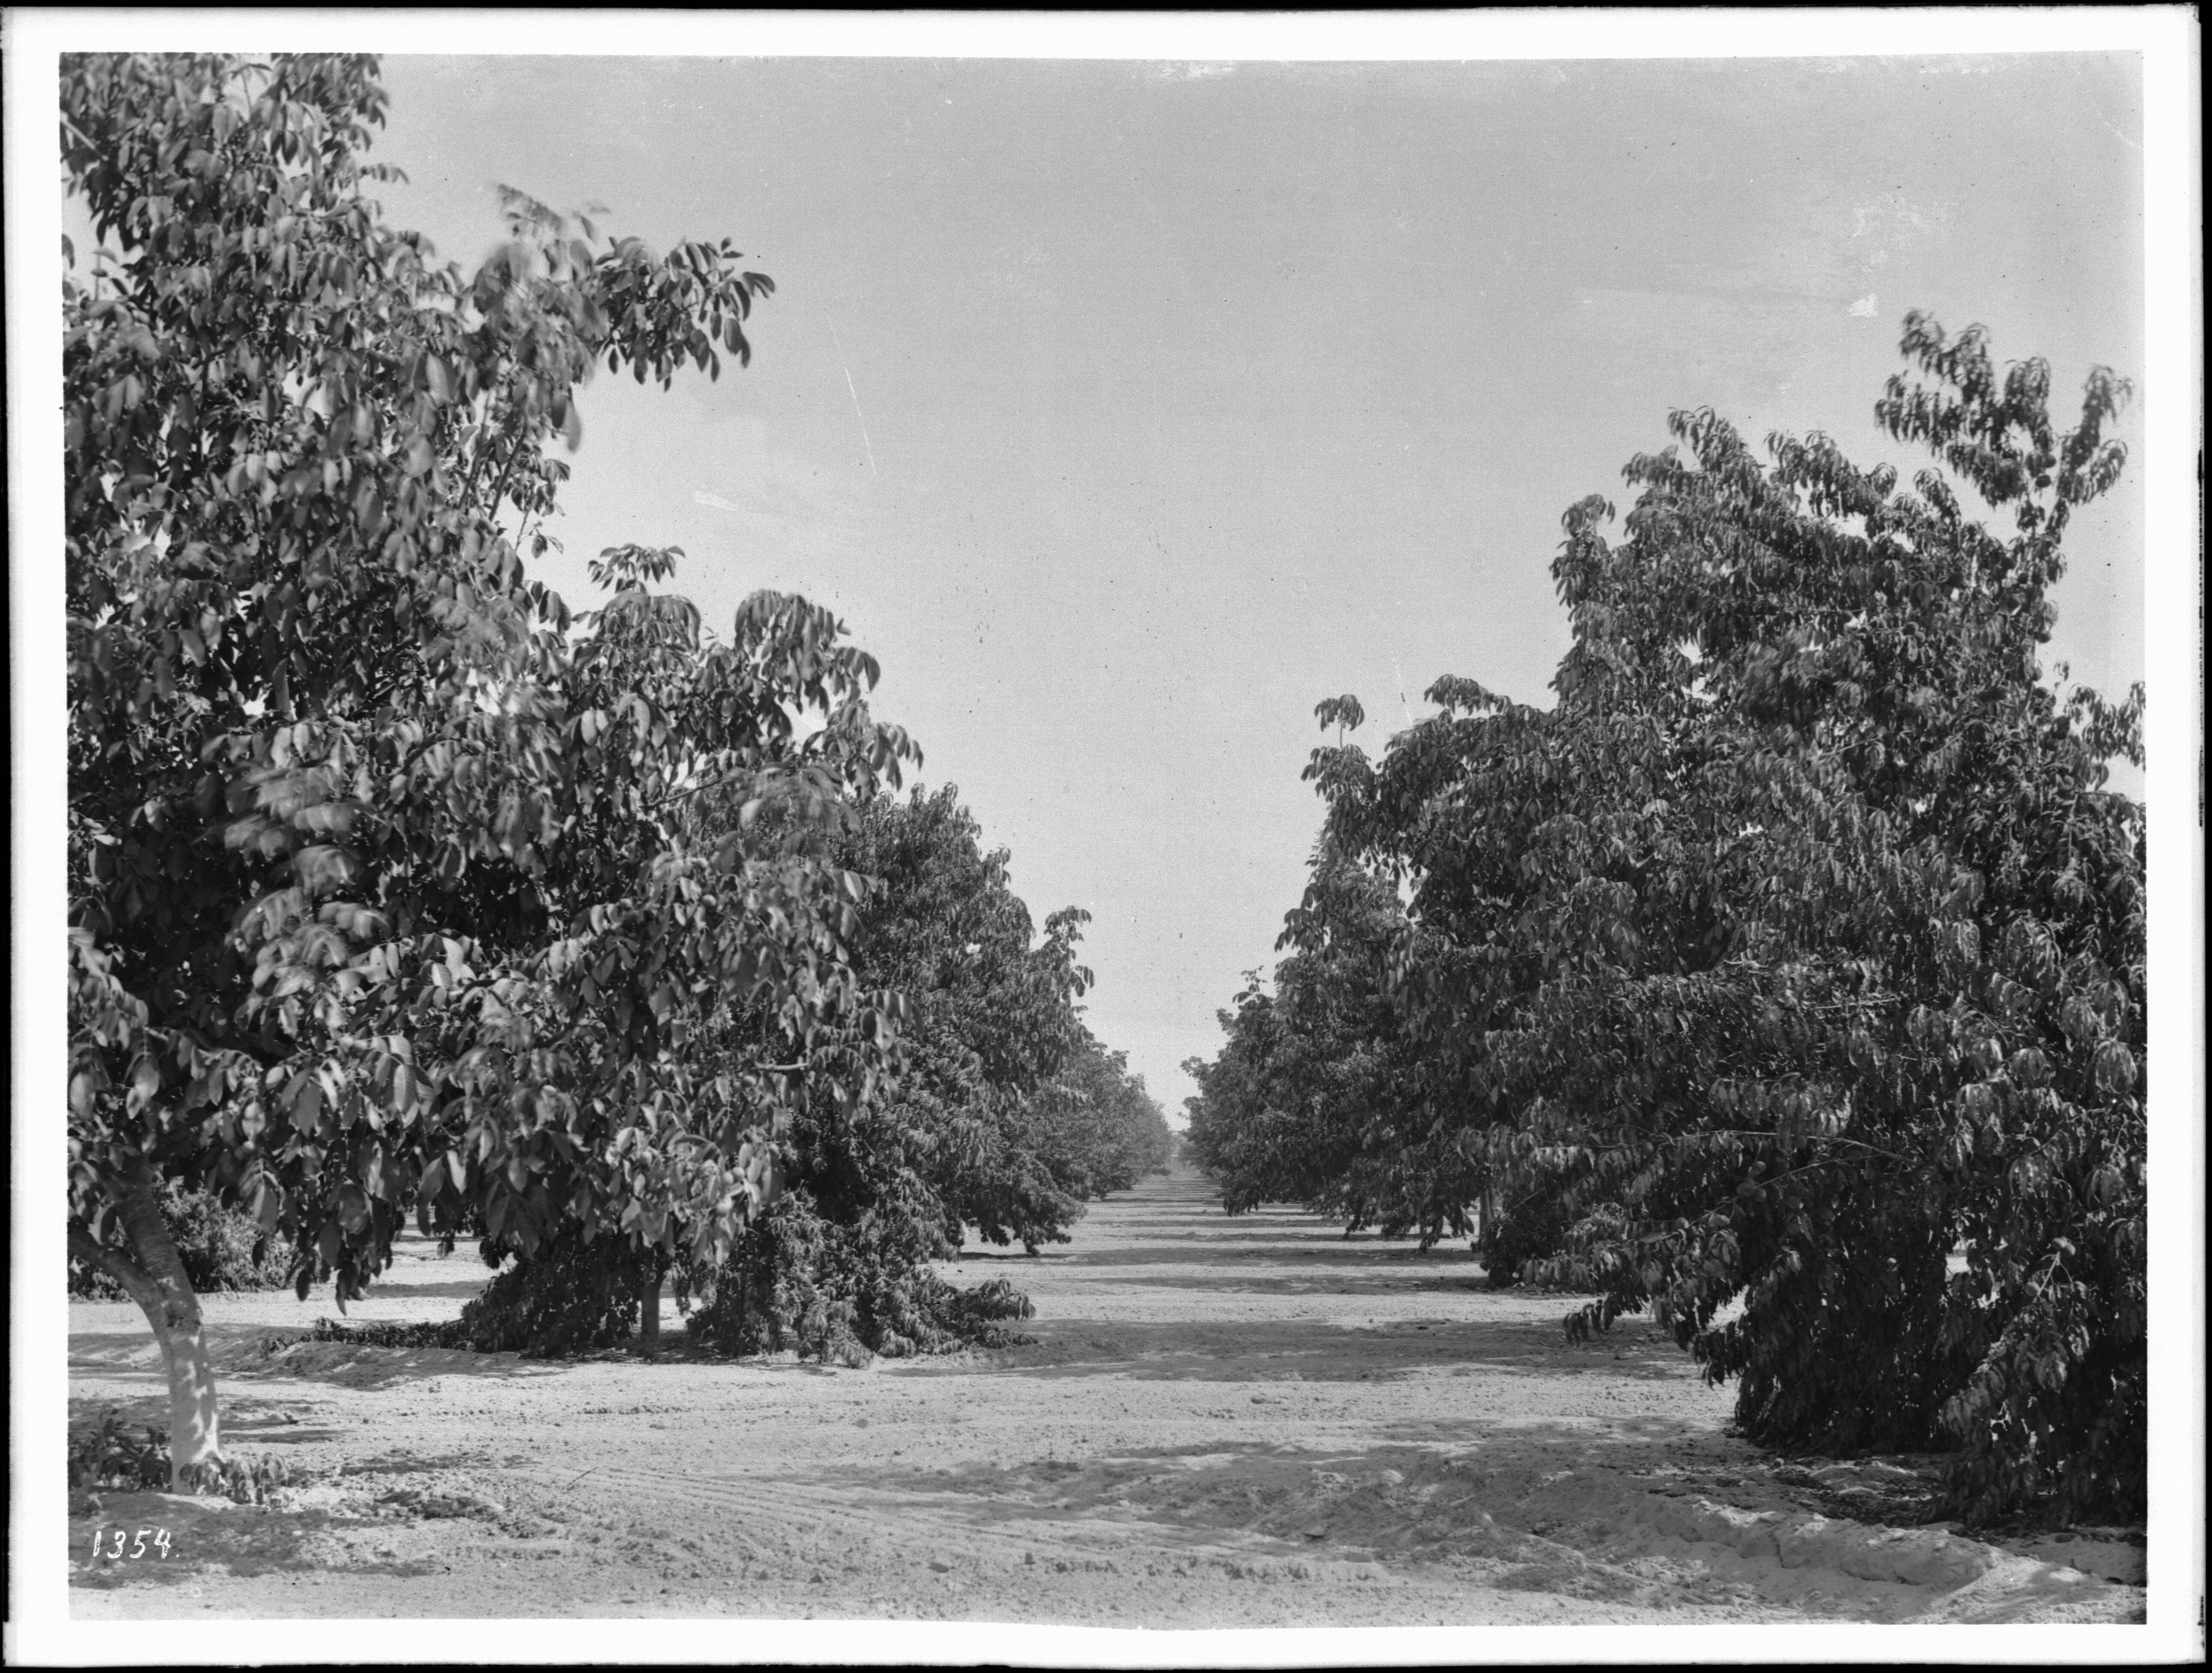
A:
(398, 886)
(1794, 958)
(1004, 1115)
(383, 888)
(1320, 1095)
(995, 1018)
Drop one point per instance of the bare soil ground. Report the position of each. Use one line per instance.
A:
(1222, 1423)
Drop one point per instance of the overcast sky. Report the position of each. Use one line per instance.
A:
(1126, 411)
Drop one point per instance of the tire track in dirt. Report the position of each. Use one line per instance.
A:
(1447, 1551)
(1451, 1565)
(945, 1528)
(906, 1553)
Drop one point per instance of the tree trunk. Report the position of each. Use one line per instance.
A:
(648, 1311)
(157, 1282)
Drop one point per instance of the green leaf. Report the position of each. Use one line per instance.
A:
(303, 1099)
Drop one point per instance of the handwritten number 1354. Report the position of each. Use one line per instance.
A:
(123, 1537)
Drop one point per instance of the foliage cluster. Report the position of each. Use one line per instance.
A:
(113, 1455)
(221, 1248)
(110, 1454)
(438, 1333)
(1101, 1129)
(1795, 955)
(1001, 1113)
(396, 885)
(1006, 1114)
(846, 1291)
(566, 1297)
(1320, 1094)
(380, 893)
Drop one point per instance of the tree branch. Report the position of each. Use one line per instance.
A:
(499, 488)
(135, 1283)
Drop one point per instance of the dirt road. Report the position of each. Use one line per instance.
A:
(1247, 1423)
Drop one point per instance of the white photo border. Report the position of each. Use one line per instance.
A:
(40, 1631)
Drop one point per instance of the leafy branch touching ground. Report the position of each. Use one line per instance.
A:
(1004, 1115)
(109, 1455)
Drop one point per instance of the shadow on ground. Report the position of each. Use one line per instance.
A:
(204, 1536)
(1310, 1350)
(402, 1518)
(255, 1353)
(458, 1289)
(1617, 1513)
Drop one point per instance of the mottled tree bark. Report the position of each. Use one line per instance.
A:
(156, 1280)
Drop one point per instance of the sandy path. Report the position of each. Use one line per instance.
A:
(1247, 1422)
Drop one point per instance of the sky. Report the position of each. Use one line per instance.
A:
(1126, 410)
